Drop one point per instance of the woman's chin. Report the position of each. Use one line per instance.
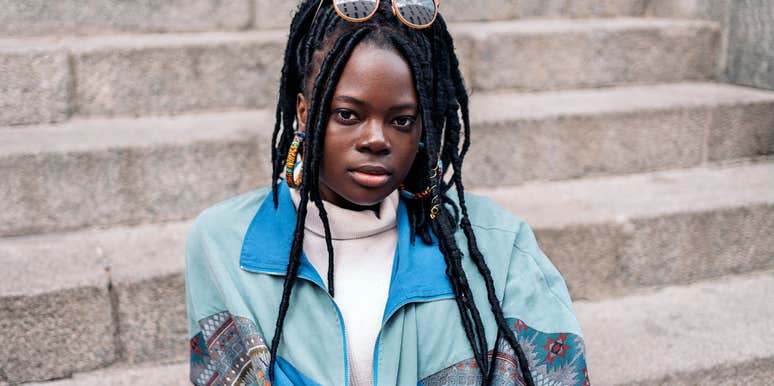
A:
(352, 193)
(364, 198)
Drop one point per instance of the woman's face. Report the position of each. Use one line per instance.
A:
(373, 131)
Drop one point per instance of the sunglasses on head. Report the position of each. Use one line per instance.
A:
(413, 13)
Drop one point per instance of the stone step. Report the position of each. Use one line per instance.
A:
(560, 54)
(108, 295)
(42, 17)
(175, 374)
(110, 171)
(137, 74)
(61, 17)
(48, 80)
(117, 293)
(726, 321)
(709, 333)
(100, 172)
(553, 135)
(611, 235)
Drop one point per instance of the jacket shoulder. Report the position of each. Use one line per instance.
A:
(217, 234)
(486, 214)
(212, 252)
(224, 213)
(530, 276)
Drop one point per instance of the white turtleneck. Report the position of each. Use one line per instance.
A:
(363, 249)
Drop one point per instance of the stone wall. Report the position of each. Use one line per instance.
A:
(747, 54)
(750, 54)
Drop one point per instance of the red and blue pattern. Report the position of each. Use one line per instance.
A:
(228, 351)
(555, 359)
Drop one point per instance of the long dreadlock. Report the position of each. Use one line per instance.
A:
(314, 61)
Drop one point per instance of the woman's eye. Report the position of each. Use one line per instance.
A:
(346, 116)
(405, 122)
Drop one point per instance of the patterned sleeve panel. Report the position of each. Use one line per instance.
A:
(228, 351)
(556, 359)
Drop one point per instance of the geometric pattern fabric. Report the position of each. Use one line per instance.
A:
(557, 359)
(228, 351)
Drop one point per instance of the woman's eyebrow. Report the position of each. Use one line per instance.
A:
(355, 101)
(346, 98)
(404, 106)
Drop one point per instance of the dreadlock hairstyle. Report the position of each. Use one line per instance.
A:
(319, 45)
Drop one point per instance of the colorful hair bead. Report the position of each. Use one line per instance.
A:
(294, 162)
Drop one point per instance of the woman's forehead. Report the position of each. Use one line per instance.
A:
(377, 75)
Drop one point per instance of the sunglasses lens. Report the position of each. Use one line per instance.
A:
(355, 9)
(420, 13)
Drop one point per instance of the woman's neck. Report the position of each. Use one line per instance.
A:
(346, 223)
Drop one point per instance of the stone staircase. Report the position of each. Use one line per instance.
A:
(649, 183)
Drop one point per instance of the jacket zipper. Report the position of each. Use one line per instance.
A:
(343, 336)
(335, 306)
(387, 319)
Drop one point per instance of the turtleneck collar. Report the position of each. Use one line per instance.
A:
(418, 272)
(349, 224)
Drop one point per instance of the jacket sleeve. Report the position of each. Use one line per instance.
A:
(224, 348)
(200, 289)
(538, 309)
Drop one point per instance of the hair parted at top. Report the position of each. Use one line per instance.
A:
(315, 56)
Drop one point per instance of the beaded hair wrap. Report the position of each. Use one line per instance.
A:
(294, 162)
(431, 190)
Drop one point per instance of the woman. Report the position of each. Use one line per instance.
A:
(393, 276)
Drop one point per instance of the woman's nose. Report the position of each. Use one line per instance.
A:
(373, 139)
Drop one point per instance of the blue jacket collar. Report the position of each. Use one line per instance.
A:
(418, 272)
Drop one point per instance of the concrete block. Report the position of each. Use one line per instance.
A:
(274, 14)
(569, 54)
(149, 287)
(53, 335)
(715, 10)
(153, 169)
(741, 131)
(163, 74)
(685, 247)
(175, 374)
(581, 8)
(462, 10)
(35, 85)
(595, 245)
(718, 11)
(55, 314)
(574, 133)
(750, 44)
(135, 274)
(613, 235)
(152, 318)
(41, 17)
(705, 333)
(753, 372)
(576, 146)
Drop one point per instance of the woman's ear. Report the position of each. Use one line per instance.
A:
(301, 112)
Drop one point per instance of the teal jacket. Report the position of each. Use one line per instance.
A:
(237, 254)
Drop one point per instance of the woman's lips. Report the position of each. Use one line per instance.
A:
(372, 177)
